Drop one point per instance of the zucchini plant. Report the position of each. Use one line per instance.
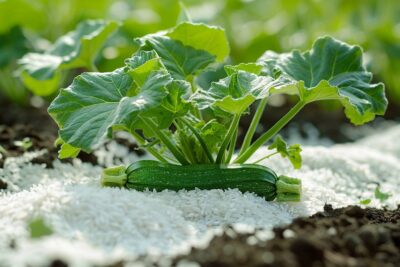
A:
(156, 97)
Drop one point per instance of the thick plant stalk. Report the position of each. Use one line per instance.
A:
(193, 86)
(165, 140)
(253, 125)
(228, 138)
(270, 133)
(200, 139)
(151, 150)
(232, 146)
(184, 146)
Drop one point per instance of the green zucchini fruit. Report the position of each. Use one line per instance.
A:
(155, 175)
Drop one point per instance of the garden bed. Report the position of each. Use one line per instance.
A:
(91, 226)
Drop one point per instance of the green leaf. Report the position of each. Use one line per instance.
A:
(38, 228)
(248, 67)
(95, 103)
(365, 201)
(181, 61)
(68, 151)
(176, 101)
(79, 48)
(330, 70)
(142, 64)
(235, 93)
(292, 151)
(381, 195)
(141, 57)
(213, 134)
(173, 106)
(202, 37)
(188, 48)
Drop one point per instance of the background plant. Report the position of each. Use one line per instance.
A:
(252, 27)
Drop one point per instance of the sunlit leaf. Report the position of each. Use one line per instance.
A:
(95, 102)
(330, 70)
(187, 48)
(249, 67)
(235, 93)
(202, 37)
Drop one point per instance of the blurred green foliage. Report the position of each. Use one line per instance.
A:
(253, 26)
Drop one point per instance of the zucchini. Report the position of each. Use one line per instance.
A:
(155, 175)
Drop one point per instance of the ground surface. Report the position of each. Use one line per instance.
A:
(349, 236)
(100, 226)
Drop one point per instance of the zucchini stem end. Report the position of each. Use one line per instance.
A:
(288, 189)
(114, 176)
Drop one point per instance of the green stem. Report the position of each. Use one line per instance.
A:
(151, 150)
(232, 146)
(165, 140)
(228, 138)
(193, 86)
(270, 133)
(288, 189)
(114, 176)
(266, 157)
(184, 145)
(253, 125)
(200, 139)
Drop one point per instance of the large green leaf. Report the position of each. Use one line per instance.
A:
(330, 70)
(175, 104)
(96, 102)
(202, 37)
(235, 93)
(181, 61)
(79, 48)
(187, 48)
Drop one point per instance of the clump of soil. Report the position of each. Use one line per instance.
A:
(349, 236)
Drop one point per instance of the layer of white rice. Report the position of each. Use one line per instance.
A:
(94, 225)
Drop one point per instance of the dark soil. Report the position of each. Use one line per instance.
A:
(17, 123)
(350, 236)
